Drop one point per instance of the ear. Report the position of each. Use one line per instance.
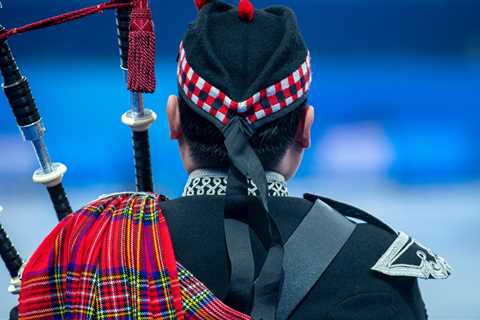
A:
(303, 136)
(173, 114)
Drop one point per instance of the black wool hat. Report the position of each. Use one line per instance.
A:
(241, 68)
(257, 69)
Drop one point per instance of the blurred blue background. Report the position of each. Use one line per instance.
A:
(397, 97)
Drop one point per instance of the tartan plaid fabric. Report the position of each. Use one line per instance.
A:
(114, 259)
(267, 101)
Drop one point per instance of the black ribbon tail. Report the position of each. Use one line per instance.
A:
(239, 246)
(266, 288)
(242, 156)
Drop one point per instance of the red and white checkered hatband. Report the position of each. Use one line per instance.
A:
(267, 101)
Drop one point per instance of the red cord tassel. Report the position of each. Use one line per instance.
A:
(141, 49)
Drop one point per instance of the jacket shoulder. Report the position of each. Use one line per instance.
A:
(394, 253)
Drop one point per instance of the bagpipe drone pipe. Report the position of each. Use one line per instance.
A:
(137, 54)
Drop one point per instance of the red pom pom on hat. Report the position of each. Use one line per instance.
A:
(246, 11)
(200, 3)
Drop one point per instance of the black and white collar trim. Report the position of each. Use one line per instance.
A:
(206, 182)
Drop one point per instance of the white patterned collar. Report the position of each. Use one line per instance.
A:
(208, 182)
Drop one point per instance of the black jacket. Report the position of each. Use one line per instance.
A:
(348, 289)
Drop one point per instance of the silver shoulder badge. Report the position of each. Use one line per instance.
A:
(405, 257)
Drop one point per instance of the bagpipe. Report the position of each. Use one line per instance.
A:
(136, 40)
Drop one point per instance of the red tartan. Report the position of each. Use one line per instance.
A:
(114, 259)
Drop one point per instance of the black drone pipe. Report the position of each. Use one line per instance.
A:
(139, 119)
(19, 94)
(9, 254)
(123, 31)
(14, 264)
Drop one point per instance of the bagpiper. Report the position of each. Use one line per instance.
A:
(242, 120)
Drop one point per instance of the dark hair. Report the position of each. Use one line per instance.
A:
(205, 140)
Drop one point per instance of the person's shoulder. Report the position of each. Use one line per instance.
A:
(374, 274)
(385, 250)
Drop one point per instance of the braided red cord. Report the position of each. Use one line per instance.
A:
(141, 62)
(65, 17)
